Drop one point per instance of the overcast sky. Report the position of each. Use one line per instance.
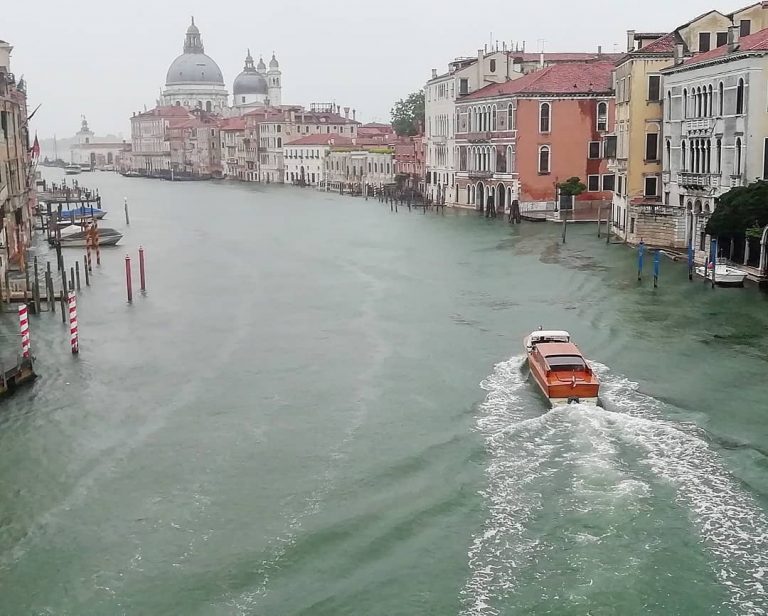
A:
(106, 59)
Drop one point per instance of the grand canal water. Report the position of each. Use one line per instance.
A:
(319, 409)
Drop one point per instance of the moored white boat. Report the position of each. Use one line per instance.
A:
(725, 275)
(77, 237)
(72, 169)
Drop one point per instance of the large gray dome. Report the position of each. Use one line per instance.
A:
(194, 68)
(249, 83)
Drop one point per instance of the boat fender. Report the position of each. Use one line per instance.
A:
(573, 401)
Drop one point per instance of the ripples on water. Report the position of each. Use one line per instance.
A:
(528, 452)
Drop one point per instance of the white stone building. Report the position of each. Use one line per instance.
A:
(305, 158)
(715, 131)
(90, 150)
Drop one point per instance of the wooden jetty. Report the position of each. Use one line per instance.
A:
(15, 371)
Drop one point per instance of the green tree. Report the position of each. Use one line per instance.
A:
(572, 187)
(408, 114)
(740, 211)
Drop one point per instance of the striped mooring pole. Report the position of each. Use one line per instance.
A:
(24, 327)
(73, 334)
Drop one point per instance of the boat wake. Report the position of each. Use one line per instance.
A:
(600, 465)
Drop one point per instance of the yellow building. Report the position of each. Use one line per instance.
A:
(641, 205)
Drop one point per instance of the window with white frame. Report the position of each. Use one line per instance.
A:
(654, 87)
(609, 182)
(545, 117)
(594, 150)
(544, 159)
(602, 117)
(651, 186)
(593, 183)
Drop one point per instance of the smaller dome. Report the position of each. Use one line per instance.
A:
(273, 63)
(249, 83)
(261, 67)
(193, 28)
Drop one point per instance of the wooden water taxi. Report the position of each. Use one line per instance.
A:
(560, 370)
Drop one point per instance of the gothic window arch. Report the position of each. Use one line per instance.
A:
(545, 117)
(602, 116)
(544, 159)
(740, 97)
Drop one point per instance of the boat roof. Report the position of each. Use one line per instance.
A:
(550, 333)
(553, 349)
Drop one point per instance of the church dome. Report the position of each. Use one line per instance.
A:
(273, 63)
(193, 66)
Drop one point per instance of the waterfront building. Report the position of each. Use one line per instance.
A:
(465, 76)
(409, 162)
(305, 158)
(359, 168)
(517, 140)
(94, 151)
(235, 160)
(17, 187)
(716, 132)
(150, 140)
(194, 80)
(643, 204)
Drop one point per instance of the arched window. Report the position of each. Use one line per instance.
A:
(510, 117)
(668, 157)
(710, 97)
(685, 103)
(511, 163)
(669, 105)
(493, 119)
(545, 112)
(737, 165)
(740, 97)
(544, 158)
(720, 98)
(602, 117)
(708, 168)
(683, 158)
(279, 142)
(208, 106)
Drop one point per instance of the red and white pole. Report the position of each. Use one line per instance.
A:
(128, 282)
(24, 327)
(73, 333)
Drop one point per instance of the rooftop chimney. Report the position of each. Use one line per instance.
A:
(679, 51)
(434, 73)
(354, 115)
(734, 33)
(599, 50)
(346, 112)
(480, 68)
(630, 40)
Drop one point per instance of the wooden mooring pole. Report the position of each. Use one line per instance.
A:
(128, 283)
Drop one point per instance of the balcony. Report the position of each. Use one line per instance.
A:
(480, 137)
(479, 175)
(736, 180)
(699, 126)
(698, 180)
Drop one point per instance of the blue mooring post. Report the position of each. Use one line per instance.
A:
(640, 259)
(656, 268)
(690, 260)
(714, 261)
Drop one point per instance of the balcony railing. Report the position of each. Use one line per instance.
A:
(703, 180)
(699, 125)
(479, 175)
(736, 180)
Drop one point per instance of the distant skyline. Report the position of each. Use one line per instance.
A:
(88, 58)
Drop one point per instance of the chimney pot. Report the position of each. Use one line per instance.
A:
(630, 40)
(434, 73)
(679, 51)
(734, 35)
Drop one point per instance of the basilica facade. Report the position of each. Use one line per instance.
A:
(195, 81)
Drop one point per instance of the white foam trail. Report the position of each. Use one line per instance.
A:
(525, 447)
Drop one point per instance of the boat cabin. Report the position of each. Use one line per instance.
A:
(545, 336)
(562, 357)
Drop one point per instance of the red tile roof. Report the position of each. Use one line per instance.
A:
(665, 44)
(558, 79)
(321, 140)
(237, 123)
(754, 42)
(566, 56)
(166, 112)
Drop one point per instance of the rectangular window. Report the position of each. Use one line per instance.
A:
(593, 183)
(620, 186)
(746, 27)
(654, 88)
(493, 66)
(651, 186)
(610, 146)
(722, 39)
(463, 86)
(594, 149)
(609, 182)
(631, 225)
(704, 41)
(652, 146)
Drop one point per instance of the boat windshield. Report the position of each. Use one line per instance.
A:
(563, 363)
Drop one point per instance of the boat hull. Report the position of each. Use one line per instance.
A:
(563, 392)
(723, 278)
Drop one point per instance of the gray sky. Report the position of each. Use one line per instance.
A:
(106, 59)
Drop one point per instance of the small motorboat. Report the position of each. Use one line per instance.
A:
(75, 236)
(86, 167)
(724, 275)
(72, 169)
(560, 370)
(83, 212)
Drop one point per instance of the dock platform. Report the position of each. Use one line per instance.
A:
(15, 371)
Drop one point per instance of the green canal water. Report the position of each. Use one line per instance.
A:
(319, 408)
